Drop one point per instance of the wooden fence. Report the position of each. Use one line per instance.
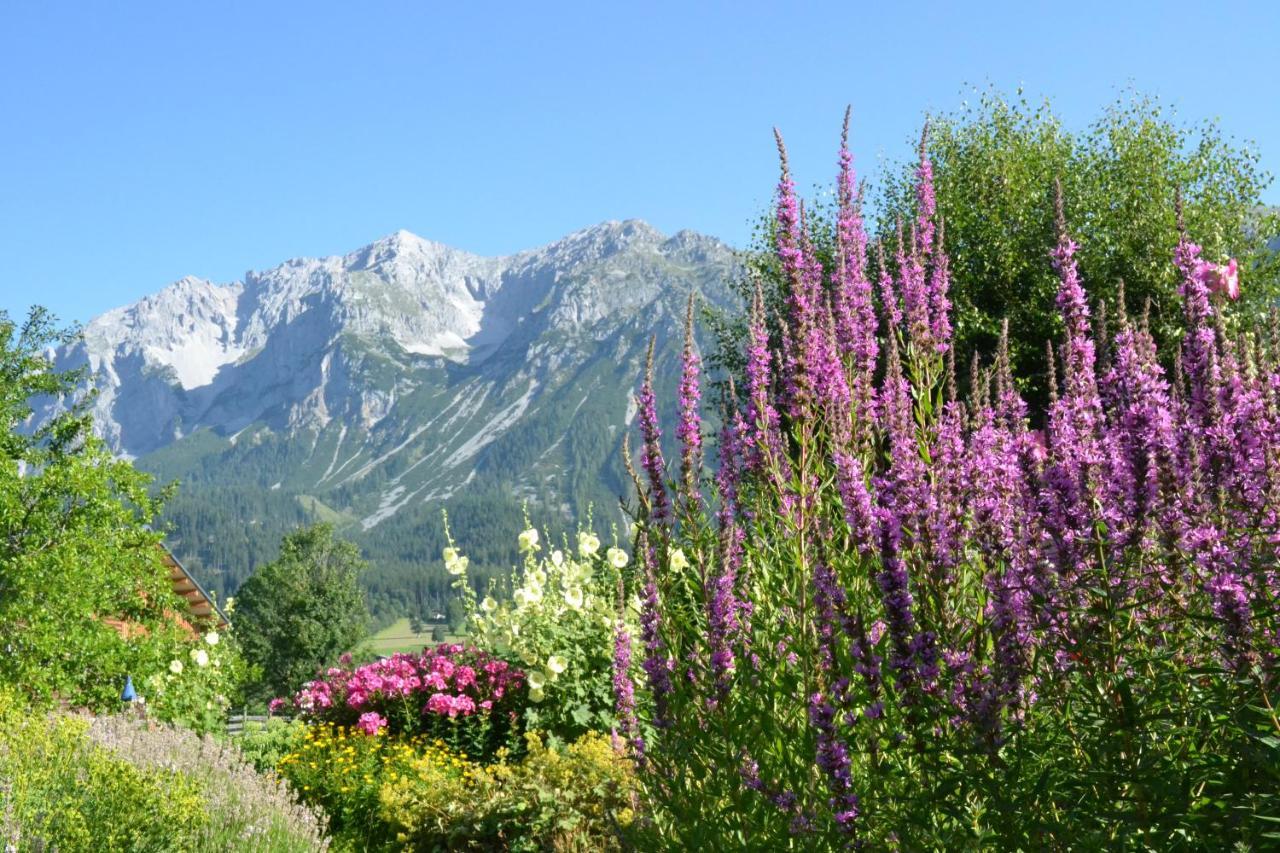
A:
(236, 722)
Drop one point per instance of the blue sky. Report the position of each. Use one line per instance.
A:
(142, 142)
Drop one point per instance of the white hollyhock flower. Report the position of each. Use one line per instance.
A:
(536, 694)
(528, 539)
(557, 664)
(212, 638)
(573, 597)
(537, 680)
(588, 543)
(677, 560)
(200, 656)
(175, 666)
(616, 557)
(488, 605)
(557, 558)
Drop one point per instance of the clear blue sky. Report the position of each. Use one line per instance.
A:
(141, 142)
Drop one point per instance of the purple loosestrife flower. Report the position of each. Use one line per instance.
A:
(624, 698)
(859, 509)
(926, 198)
(689, 430)
(833, 760)
(765, 445)
(1141, 437)
(895, 596)
(1199, 344)
(651, 454)
(939, 300)
(803, 283)
(888, 293)
(852, 308)
(903, 488)
(915, 291)
(1075, 418)
(657, 665)
(946, 507)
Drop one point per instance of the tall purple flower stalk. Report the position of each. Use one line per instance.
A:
(651, 454)
(852, 307)
(689, 430)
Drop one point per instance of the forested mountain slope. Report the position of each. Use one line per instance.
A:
(376, 388)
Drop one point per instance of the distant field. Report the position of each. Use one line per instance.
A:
(397, 637)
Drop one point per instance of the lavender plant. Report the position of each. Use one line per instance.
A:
(895, 618)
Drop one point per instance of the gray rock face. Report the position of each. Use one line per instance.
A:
(375, 384)
(270, 348)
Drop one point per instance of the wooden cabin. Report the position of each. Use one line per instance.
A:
(205, 614)
(203, 607)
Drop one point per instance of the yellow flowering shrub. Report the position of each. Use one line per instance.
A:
(574, 798)
(342, 770)
(60, 791)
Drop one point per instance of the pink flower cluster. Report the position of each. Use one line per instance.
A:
(371, 723)
(403, 692)
(1220, 278)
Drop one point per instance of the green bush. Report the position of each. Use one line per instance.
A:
(341, 770)
(85, 599)
(245, 809)
(995, 164)
(72, 784)
(264, 744)
(60, 790)
(580, 798)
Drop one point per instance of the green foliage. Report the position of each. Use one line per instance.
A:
(59, 790)
(84, 598)
(994, 167)
(194, 685)
(576, 798)
(242, 808)
(558, 622)
(264, 744)
(342, 771)
(303, 610)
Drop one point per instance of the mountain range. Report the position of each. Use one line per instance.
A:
(374, 389)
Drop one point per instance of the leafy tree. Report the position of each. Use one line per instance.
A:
(84, 598)
(303, 610)
(994, 167)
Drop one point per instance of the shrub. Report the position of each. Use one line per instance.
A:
(118, 783)
(191, 680)
(60, 790)
(85, 600)
(302, 610)
(459, 694)
(264, 744)
(342, 769)
(559, 624)
(244, 808)
(904, 620)
(575, 798)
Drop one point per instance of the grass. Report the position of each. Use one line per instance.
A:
(398, 637)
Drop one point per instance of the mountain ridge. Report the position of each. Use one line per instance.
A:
(372, 389)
